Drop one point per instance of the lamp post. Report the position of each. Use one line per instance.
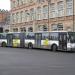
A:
(49, 2)
(34, 21)
(73, 17)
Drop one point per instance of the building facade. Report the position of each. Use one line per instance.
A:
(4, 20)
(42, 15)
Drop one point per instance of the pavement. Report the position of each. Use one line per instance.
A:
(18, 61)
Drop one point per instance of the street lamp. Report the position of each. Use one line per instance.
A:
(49, 2)
(34, 21)
(73, 17)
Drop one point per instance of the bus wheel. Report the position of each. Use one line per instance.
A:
(30, 46)
(3, 44)
(54, 47)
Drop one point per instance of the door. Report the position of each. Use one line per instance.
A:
(9, 40)
(63, 41)
(22, 40)
(38, 37)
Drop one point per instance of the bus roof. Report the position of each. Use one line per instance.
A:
(49, 31)
(33, 32)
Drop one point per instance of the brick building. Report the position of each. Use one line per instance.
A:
(4, 19)
(42, 15)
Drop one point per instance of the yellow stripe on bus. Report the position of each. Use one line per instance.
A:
(46, 42)
(16, 42)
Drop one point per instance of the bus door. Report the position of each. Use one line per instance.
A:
(63, 41)
(22, 39)
(9, 40)
(38, 37)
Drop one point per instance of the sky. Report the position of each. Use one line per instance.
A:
(5, 4)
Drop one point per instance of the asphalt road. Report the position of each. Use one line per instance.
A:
(16, 61)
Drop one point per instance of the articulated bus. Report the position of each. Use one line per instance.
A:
(55, 40)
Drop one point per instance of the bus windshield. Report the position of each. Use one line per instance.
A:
(72, 37)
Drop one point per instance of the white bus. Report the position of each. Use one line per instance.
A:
(3, 40)
(11, 39)
(15, 39)
(55, 40)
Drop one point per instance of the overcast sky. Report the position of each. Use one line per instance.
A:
(5, 4)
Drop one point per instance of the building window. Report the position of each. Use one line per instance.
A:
(27, 15)
(45, 28)
(17, 17)
(22, 2)
(52, 12)
(32, 14)
(69, 4)
(40, 28)
(21, 16)
(60, 26)
(7, 30)
(12, 4)
(40, 1)
(12, 18)
(55, 27)
(23, 29)
(30, 29)
(60, 9)
(38, 13)
(45, 12)
(17, 2)
(15, 29)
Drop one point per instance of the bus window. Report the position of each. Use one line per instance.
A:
(16, 36)
(2, 36)
(53, 36)
(45, 36)
(30, 36)
(71, 37)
